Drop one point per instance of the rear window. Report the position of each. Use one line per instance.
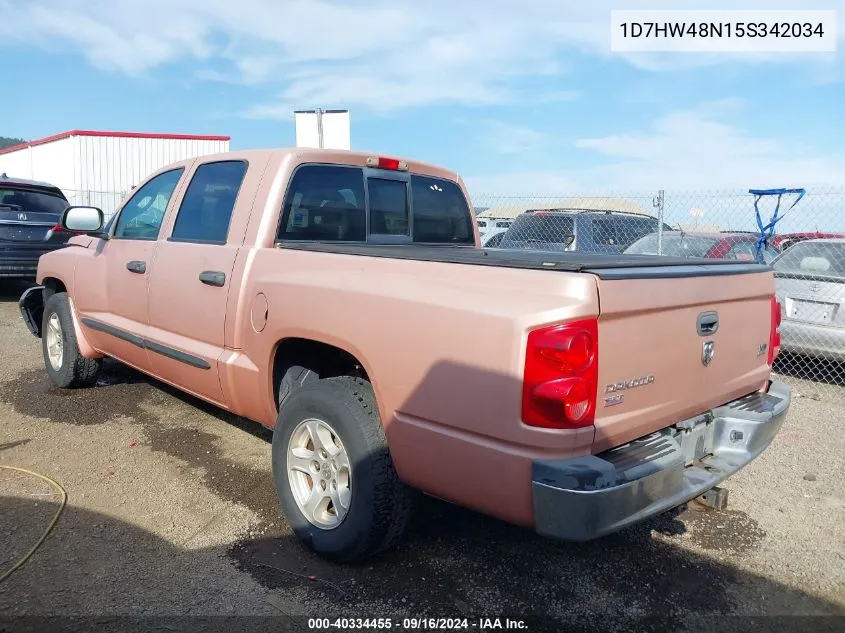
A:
(23, 200)
(546, 229)
(330, 203)
(673, 245)
(823, 259)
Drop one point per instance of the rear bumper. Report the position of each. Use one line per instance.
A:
(806, 339)
(21, 261)
(583, 498)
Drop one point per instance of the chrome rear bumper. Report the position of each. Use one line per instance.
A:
(583, 498)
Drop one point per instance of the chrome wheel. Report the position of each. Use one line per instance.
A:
(55, 342)
(319, 473)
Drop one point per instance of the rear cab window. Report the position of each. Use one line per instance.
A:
(336, 203)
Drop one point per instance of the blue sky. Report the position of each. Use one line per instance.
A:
(521, 97)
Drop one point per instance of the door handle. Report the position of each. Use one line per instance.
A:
(137, 267)
(213, 278)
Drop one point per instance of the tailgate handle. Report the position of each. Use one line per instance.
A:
(708, 323)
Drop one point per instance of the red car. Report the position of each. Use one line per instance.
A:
(724, 245)
(782, 242)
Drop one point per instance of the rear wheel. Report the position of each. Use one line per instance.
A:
(66, 366)
(333, 473)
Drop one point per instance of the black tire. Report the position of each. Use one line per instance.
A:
(381, 503)
(75, 370)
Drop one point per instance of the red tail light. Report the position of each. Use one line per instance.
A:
(774, 334)
(561, 376)
(60, 229)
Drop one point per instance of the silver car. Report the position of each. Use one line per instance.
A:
(810, 283)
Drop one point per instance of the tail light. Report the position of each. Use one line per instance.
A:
(561, 376)
(60, 229)
(774, 334)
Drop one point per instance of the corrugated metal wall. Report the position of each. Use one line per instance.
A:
(50, 162)
(108, 166)
(101, 170)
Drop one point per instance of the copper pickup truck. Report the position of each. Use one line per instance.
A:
(342, 300)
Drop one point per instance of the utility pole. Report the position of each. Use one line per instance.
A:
(658, 202)
(319, 112)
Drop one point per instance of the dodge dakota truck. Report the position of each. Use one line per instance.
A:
(342, 300)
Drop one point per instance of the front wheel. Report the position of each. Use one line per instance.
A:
(66, 366)
(333, 473)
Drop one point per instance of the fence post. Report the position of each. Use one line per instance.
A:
(658, 202)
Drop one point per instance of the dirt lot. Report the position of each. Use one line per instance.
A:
(171, 511)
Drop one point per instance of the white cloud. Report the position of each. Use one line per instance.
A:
(376, 53)
(507, 138)
(683, 150)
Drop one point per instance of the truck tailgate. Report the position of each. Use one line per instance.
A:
(654, 369)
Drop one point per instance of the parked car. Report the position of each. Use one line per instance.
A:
(486, 225)
(493, 238)
(571, 230)
(342, 300)
(30, 212)
(810, 283)
(724, 245)
(784, 241)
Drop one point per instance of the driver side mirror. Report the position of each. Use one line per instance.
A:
(82, 219)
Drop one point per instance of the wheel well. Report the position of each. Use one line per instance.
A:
(327, 361)
(52, 286)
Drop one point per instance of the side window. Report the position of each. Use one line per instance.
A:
(604, 232)
(325, 203)
(629, 230)
(388, 207)
(140, 218)
(208, 203)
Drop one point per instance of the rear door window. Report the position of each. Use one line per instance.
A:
(604, 231)
(629, 230)
(207, 207)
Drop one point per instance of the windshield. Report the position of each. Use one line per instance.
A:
(31, 201)
(546, 229)
(823, 259)
(673, 245)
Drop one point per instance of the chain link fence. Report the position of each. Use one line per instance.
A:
(107, 201)
(806, 249)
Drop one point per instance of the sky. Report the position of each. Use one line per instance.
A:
(522, 97)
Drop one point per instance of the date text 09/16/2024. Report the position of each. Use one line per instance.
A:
(417, 624)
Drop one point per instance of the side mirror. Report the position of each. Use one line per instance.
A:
(82, 219)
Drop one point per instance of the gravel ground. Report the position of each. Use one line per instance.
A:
(171, 511)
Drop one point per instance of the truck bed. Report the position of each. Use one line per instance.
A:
(604, 266)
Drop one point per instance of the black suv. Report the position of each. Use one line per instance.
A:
(30, 212)
(574, 230)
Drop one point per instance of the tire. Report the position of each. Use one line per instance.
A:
(379, 504)
(69, 369)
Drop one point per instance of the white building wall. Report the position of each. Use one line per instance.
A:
(17, 164)
(101, 170)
